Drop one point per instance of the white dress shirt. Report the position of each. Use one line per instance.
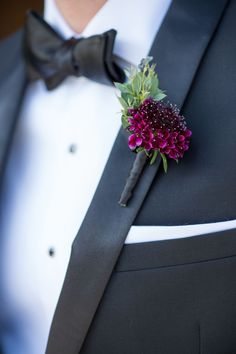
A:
(50, 180)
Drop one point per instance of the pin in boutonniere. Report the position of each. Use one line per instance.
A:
(156, 128)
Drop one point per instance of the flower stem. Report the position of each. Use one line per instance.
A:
(135, 173)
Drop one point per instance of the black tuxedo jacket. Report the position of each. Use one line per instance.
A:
(163, 297)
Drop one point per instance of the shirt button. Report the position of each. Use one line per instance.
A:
(73, 148)
(51, 252)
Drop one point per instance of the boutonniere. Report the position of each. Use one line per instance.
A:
(155, 127)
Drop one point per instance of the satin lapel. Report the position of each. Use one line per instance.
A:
(12, 85)
(181, 42)
(178, 49)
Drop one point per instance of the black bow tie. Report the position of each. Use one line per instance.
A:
(52, 59)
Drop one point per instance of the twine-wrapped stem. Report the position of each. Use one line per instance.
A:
(135, 173)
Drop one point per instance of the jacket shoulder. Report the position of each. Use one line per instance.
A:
(12, 42)
(11, 50)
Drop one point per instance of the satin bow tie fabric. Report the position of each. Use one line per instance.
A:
(51, 58)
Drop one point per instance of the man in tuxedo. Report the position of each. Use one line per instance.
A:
(80, 273)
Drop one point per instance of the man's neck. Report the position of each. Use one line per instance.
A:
(78, 13)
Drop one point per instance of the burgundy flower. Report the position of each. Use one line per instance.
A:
(134, 141)
(155, 125)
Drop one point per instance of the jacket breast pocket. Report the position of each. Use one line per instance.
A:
(168, 297)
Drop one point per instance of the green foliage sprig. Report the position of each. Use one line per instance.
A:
(142, 83)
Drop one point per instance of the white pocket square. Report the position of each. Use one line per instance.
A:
(139, 234)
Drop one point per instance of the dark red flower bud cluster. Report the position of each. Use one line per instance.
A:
(155, 125)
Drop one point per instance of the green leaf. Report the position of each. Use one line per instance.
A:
(136, 102)
(119, 86)
(147, 83)
(129, 87)
(123, 88)
(154, 156)
(147, 153)
(130, 102)
(124, 121)
(133, 72)
(165, 164)
(137, 83)
(123, 103)
(159, 96)
(154, 86)
(139, 149)
(127, 97)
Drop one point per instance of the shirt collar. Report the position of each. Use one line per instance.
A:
(136, 24)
